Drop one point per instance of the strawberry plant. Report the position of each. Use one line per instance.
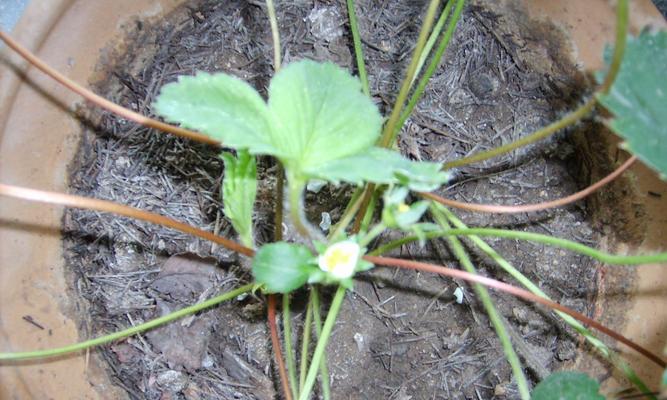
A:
(319, 123)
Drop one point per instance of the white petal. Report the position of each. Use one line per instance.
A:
(340, 259)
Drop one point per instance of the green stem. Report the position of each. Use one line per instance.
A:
(322, 342)
(369, 191)
(576, 325)
(305, 343)
(377, 230)
(352, 208)
(490, 308)
(358, 51)
(295, 197)
(619, 46)
(573, 117)
(387, 137)
(432, 39)
(607, 258)
(273, 20)
(433, 65)
(278, 219)
(370, 210)
(27, 355)
(540, 134)
(289, 352)
(324, 371)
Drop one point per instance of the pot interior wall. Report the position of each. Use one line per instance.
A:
(631, 210)
(38, 140)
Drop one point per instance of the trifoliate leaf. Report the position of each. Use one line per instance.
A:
(221, 106)
(317, 122)
(382, 166)
(283, 267)
(567, 385)
(239, 189)
(638, 99)
(321, 114)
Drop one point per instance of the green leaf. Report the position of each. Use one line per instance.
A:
(382, 166)
(221, 106)
(638, 99)
(283, 267)
(567, 385)
(320, 114)
(317, 122)
(239, 190)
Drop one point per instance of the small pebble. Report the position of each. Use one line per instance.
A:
(499, 390)
(359, 340)
(172, 381)
(325, 223)
(315, 185)
(520, 314)
(458, 293)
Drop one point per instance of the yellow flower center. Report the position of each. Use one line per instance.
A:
(340, 259)
(337, 257)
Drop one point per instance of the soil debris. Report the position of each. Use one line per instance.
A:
(400, 335)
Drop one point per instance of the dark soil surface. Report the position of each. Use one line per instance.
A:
(401, 334)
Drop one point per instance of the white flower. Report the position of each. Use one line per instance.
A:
(340, 259)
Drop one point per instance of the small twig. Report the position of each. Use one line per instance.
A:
(30, 320)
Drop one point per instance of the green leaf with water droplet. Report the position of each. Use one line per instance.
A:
(638, 99)
(567, 385)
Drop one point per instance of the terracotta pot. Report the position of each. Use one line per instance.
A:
(641, 315)
(38, 139)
